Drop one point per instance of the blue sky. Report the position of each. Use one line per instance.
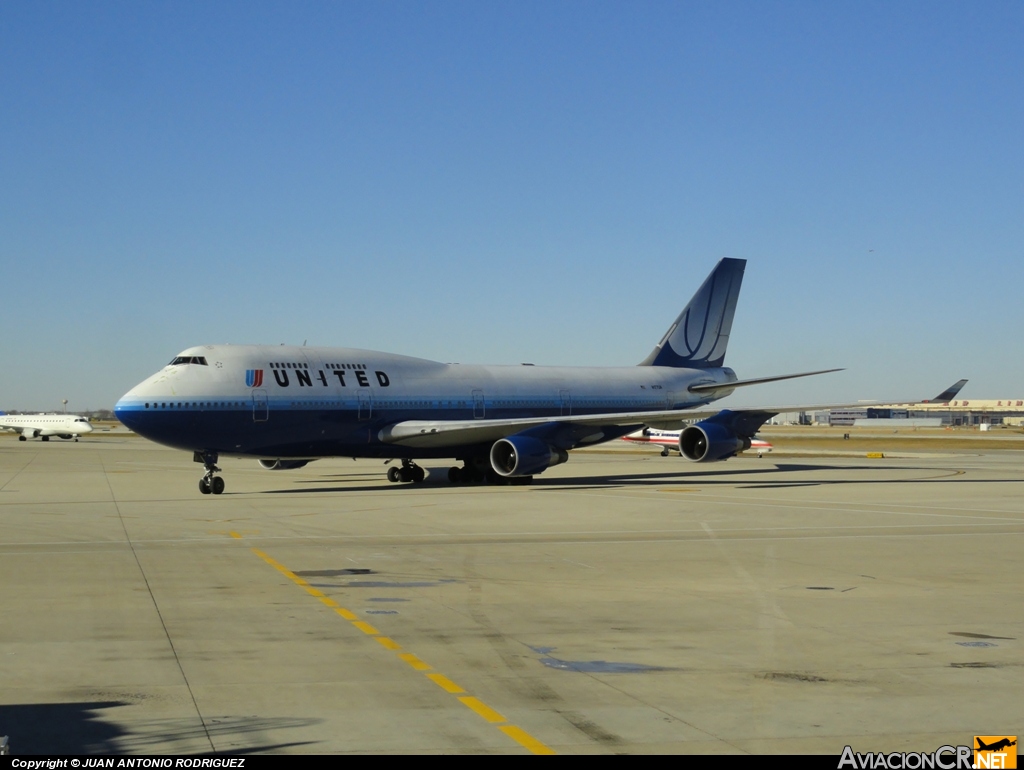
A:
(505, 182)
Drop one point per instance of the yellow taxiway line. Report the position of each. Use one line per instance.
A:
(475, 705)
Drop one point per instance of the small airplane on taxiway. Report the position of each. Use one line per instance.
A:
(67, 426)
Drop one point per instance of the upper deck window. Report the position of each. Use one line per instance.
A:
(200, 360)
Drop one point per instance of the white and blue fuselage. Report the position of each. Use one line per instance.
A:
(301, 402)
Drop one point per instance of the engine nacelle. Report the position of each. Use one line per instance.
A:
(31, 432)
(524, 456)
(709, 442)
(282, 465)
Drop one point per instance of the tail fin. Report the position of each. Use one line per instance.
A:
(700, 334)
(949, 393)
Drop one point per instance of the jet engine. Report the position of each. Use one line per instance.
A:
(524, 456)
(708, 442)
(282, 465)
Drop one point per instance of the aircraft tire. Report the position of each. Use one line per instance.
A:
(664, 452)
(455, 474)
(45, 438)
(22, 438)
(394, 475)
(497, 480)
(217, 485)
(204, 486)
(418, 474)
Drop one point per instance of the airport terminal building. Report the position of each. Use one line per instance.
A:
(964, 412)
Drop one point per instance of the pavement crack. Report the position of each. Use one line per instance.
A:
(156, 607)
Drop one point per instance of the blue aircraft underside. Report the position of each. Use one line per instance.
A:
(315, 430)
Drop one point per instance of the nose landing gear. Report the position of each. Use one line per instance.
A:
(209, 484)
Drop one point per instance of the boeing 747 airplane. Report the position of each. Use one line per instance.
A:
(45, 425)
(286, 406)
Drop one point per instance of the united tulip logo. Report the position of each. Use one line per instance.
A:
(253, 378)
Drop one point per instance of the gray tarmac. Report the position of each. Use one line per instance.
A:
(623, 603)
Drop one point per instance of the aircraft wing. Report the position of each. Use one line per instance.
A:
(445, 433)
(577, 429)
(572, 431)
(949, 393)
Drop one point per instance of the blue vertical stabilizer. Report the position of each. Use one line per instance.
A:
(700, 335)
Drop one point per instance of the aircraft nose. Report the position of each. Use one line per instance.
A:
(125, 412)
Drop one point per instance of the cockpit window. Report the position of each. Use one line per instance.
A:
(178, 360)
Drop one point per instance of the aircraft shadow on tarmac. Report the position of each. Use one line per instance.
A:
(706, 478)
(735, 478)
(83, 728)
(61, 728)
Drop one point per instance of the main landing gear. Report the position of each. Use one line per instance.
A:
(209, 484)
(409, 471)
(471, 473)
(475, 472)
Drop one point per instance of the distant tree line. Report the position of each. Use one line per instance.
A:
(92, 414)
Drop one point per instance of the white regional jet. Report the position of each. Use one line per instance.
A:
(45, 425)
(286, 406)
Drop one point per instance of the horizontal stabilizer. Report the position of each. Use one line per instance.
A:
(715, 386)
